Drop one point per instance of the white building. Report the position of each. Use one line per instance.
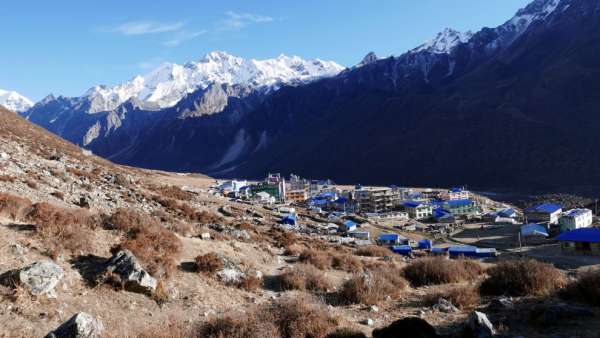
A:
(233, 186)
(264, 198)
(575, 219)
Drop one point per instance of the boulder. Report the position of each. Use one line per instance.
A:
(39, 278)
(81, 325)
(133, 277)
(480, 326)
(445, 306)
(502, 303)
(413, 327)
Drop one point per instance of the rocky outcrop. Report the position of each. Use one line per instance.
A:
(413, 327)
(480, 326)
(81, 325)
(125, 267)
(39, 278)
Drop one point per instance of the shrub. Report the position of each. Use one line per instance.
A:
(129, 221)
(318, 258)
(62, 229)
(522, 278)
(302, 316)
(439, 270)
(292, 250)
(173, 192)
(250, 282)
(304, 277)
(346, 333)
(82, 173)
(373, 286)
(208, 263)
(14, 207)
(585, 289)
(373, 251)
(31, 184)
(155, 247)
(464, 297)
(7, 179)
(346, 263)
(238, 326)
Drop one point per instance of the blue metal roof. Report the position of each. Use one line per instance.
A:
(534, 229)
(459, 203)
(389, 237)
(544, 208)
(341, 200)
(440, 213)
(402, 249)
(462, 248)
(439, 250)
(585, 235)
(349, 224)
(508, 212)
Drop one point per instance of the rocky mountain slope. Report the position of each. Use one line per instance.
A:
(93, 249)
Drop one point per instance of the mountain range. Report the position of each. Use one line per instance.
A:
(504, 107)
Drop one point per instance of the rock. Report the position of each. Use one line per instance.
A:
(374, 308)
(81, 325)
(240, 234)
(368, 322)
(205, 235)
(556, 314)
(39, 278)
(133, 277)
(480, 326)
(4, 156)
(18, 250)
(231, 273)
(445, 306)
(413, 327)
(502, 303)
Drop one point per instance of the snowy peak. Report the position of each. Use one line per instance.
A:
(169, 83)
(537, 10)
(14, 101)
(445, 41)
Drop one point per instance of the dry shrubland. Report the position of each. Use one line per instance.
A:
(208, 263)
(291, 317)
(373, 251)
(154, 245)
(318, 258)
(522, 278)
(586, 289)
(374, 286)
(14, 207)
(347, 263)
(440, 270)
(304, 277)
(465, 297)
(172, 192)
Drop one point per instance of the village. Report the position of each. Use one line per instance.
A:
(416, 222)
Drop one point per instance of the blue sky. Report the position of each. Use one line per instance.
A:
(65, 47)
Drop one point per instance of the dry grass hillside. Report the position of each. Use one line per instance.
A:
(231, 274)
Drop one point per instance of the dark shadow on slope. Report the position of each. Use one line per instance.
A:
(89, 267)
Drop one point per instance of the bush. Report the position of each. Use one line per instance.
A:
(586, 289)
(59, 195)
(346, 263)
(318, 258)
(346, 333)
(373, 251)
(155, 247)
(250, 282)
(304, 277)
(31, 184)
(522, 278)
(208, 263)
(373, 286)
(129, 221)
(14, 207)
(439, 270)
(301, 317)
(292, 250)
(173, 192)
(7, 179)
(237, 326)
(464, 297)
(62, 229)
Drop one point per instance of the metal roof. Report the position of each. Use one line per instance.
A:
(460, 203)
(544, 208)
(576, 212)
(534, 229)
(412, 204)
(389, 237)
(585, 235)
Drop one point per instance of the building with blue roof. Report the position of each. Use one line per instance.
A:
(575, 219)
(402, 249)
(543, 213)
(584, 241)
(461, 207)
(532, 233)
(348, 226)
(289, 219)
(418, 210)
(391, 239)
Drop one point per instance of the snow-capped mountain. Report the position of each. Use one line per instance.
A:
(14, 101)
(445, 41)
(168, 84)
